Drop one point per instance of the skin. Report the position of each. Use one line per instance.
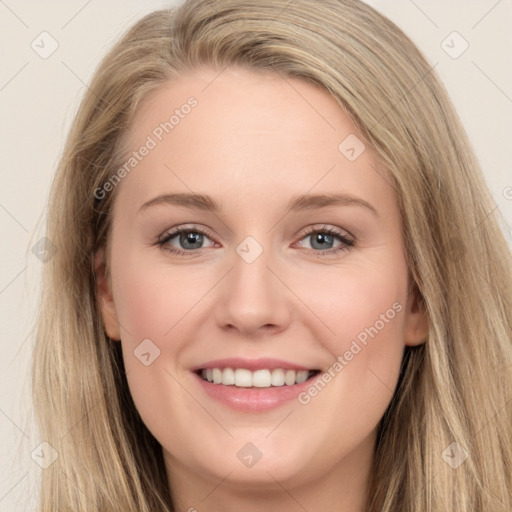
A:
(252, 143)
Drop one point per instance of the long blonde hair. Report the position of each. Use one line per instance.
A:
(452, 389)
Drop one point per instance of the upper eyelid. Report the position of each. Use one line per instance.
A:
(328, 228)
(180, 229)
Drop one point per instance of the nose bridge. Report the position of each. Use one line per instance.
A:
(250, 275)
(253, 297)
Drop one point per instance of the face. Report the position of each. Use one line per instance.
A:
(299, 272)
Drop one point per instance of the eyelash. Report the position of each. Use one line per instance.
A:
(346, 242)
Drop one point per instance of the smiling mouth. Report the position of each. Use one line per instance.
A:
(264, 378)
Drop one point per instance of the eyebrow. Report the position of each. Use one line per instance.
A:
(296, 203)
(196, 201)
(312, 201)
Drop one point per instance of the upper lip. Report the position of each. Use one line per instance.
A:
(251, 364)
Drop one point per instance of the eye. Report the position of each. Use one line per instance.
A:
(326, 240)
(190, 239)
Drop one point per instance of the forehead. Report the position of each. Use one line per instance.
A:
(246, 133)
(241, 103)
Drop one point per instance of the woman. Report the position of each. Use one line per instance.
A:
(280, 280)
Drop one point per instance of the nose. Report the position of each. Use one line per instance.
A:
(252, 300)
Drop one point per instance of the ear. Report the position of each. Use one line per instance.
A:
(105, 298)
(416, 322)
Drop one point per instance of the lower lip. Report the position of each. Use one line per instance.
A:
(253, 399)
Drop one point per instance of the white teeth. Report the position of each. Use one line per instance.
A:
(261, 379)
(277, 377)
(302, 376)
(289, 377)
(228, 377)
(264, 378)
(217, 376)
(243, 378)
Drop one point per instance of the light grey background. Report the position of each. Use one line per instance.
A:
(39, 96)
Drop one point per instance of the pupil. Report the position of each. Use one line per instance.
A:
(323, 239)
(191, 238)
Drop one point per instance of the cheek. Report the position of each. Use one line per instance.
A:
(363, 313)
(151, 298)
(152, 303)
(369, 314)
(362, 303)
(365, 309)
